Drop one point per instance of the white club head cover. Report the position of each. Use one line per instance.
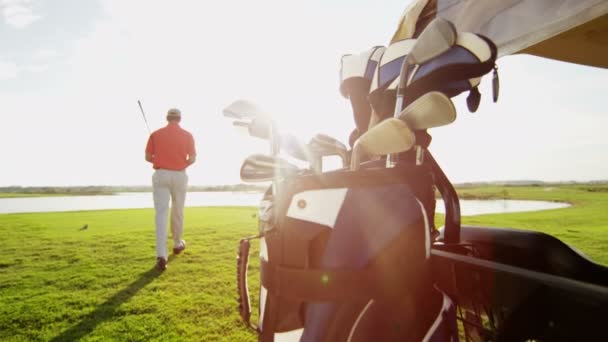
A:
(432, 109)
(389, 136)
(436, 38)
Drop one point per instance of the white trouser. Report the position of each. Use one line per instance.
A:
(169, 184)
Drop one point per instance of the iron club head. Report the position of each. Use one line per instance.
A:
(324, 145)
(243, 109)
(431, 110)
(389, 136)
(263, 168)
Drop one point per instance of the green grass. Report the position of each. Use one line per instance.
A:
(60, 283)
(63, 284)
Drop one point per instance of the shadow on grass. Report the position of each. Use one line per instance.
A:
(106, 310)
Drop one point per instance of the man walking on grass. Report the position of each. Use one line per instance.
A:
(170, 150)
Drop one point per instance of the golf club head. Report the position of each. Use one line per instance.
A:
(264, 168)
(242, 109)
(438, 37)
(242, 126)
(431, 110)
(257, 122)
(261, 127)
(324, 145)
(295, 148)
(389, 136)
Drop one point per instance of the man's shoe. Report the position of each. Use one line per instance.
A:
(180, 248)
(161, 263)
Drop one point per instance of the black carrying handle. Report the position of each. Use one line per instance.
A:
(242, 262)
(450, 199)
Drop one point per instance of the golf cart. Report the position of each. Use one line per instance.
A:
(354, 254)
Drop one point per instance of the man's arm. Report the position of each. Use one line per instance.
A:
(191, 151)
(191, 159)
(150, 150)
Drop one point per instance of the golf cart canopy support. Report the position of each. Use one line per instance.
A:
(573, 31)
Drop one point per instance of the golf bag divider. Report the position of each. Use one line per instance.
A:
(349, 249)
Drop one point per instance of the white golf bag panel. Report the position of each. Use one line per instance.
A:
(317, 206)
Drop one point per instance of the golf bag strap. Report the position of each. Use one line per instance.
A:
(321, 284)
(458, 71)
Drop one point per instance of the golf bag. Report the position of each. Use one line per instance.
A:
(345, 255)
(346, 258)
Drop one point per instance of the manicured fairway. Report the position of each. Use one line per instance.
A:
(61, 283)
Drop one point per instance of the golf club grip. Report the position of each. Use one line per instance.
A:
(144, 116)
(242, 262)
(142, 111)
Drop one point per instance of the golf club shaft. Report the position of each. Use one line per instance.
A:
(144, 116)
(392, 159)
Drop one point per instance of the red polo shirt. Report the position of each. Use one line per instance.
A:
(170, 147)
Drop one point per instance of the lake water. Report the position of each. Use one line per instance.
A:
(131, 200)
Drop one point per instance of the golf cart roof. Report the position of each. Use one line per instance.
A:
(567, 30)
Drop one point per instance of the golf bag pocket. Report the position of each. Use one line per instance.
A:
(348, 259)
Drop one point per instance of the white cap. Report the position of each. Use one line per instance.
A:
(174, 113)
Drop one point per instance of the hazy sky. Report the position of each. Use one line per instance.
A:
(71, 73)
